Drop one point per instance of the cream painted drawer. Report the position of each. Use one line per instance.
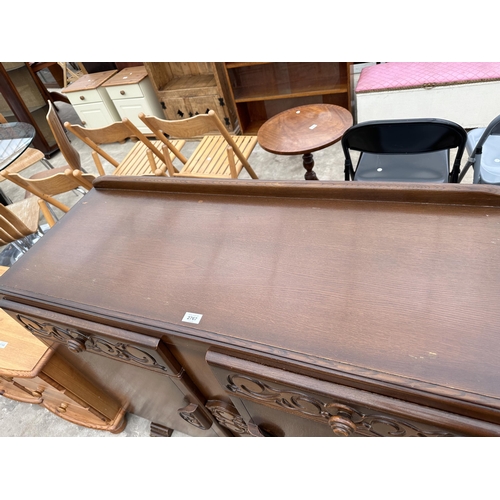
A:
(124, 92)
(84, 96)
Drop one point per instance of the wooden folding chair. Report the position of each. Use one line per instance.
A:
(220, 156)
(137, 161)
(19, 220)
(47, 187)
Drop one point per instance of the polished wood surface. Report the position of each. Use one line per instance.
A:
(127, 76)
(304, 129)
(90, 81)
(387, 289)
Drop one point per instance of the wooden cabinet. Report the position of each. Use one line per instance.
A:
(261, 90)
(91, 101)
(187, 89)
(31, 372)
(23, 98)
(276, 308)
(132, 93)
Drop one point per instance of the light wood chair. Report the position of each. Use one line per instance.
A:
(19, 220)
(47, 187)
(137, 161)
(26, 160)
(68, 151)
(216, 156)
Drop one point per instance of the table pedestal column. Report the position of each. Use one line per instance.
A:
(308, 162)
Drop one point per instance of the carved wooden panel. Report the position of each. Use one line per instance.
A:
(195, 416)
(227, 416)
(77, 340)
(346, 410)
(344, 420)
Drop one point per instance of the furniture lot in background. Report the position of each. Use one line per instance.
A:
(216, 156)
(483, 148)
(91, 101)
(185, 89)
(137, 161)
(132, 93)
(304, 130)
(467, 93)
(404, 150)
(24, 99)
(262, 90)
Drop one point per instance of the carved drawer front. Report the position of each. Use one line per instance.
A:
(264, 392)
(80, 335)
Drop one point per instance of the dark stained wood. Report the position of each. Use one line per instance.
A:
(381, 291)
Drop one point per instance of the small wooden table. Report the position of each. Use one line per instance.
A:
(303, 130)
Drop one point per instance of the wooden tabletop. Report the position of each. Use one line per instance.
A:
(89, 82)
(304, 129)
(127, 76)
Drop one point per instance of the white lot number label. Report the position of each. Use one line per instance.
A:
(192, 318)
(3, 344)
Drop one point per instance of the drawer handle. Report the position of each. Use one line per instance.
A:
(122, 92)
(82, 98)
(342, 426)
(76, 346)
(62, 408)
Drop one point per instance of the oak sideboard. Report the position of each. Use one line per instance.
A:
(260, 308)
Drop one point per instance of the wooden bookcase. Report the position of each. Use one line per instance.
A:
(186, 89)
(260, 90)
(23, 98)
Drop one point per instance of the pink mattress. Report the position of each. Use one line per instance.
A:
(399, 75)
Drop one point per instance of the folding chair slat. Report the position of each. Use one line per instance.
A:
(210, 158)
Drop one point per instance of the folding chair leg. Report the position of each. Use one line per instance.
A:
(47, 163)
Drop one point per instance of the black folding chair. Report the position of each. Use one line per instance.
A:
(414, 150)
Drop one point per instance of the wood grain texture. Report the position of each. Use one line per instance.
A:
(393, 287)
(304, 129)
(89, 82)
(127, 76)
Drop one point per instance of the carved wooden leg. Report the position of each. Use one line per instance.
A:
(308, 162)
(157, 430)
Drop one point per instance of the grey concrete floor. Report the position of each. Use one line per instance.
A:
(21, 419)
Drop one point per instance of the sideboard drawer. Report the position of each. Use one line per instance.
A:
(265, 392)
(80, 335)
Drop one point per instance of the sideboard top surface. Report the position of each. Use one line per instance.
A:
(395, 283)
